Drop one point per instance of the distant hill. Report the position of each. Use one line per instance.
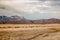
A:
(47, 21)
(13, 20)
(22, 20)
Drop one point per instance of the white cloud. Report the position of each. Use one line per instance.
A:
(32, 6)
(26, 5)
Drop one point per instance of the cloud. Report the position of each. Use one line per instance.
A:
(33, 7)
(29, 6)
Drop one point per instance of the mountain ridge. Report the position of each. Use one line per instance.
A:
(23, 20)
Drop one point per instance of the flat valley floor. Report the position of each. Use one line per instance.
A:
(29, 31)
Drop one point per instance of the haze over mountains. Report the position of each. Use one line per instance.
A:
(23, 20)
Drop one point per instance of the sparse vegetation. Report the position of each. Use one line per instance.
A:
(29, 31)
(28, 25)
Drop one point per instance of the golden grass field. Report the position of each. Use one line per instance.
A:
(29, 31)
(28, 25)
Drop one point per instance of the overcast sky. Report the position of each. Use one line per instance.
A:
(31, 9)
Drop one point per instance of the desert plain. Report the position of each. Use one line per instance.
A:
(29, 31)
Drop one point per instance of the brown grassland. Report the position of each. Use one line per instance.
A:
(29, 31)
(28, 25)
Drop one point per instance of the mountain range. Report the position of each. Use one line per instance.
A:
(23, 20)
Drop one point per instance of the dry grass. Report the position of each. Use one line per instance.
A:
(35, 34)
(29, 31)
(27, 25)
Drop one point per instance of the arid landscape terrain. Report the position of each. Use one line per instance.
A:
(29, 31)
(20, 28)
(29, 19)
